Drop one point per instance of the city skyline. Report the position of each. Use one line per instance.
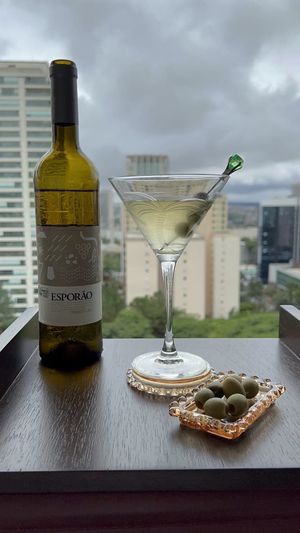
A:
(189, 79)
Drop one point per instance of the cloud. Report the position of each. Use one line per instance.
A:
(187, 78)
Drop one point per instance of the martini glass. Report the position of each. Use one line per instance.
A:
(167, 209)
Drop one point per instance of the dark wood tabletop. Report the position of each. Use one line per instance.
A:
(88, 432)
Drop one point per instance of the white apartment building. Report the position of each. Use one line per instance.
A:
(225, 274)
(147, 165)
(190, 279)
(107, 214)
(25, 135)
(141, 268)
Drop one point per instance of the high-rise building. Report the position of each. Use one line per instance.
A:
(190, 278)
(25, 135)
(225, 294)
(279, 234)
(147, 165)
(141, 268)
(111, 215)
(142, 165)
(107, 214)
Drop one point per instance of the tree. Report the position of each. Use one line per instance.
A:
(251, 247)
(130, 323)
(153, 308)
(289, 295)
(111, 263)
(255, 289)
(113, 300)
(189, 326)
(6, 311)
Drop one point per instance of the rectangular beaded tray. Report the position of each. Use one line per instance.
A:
(191, 416)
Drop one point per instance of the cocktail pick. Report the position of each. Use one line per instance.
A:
(235, 162)
(185, 229)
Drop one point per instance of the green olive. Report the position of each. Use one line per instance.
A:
(201, 195)
(183, 229)
(194, 219)
(251, 387)
(202, 396)
(237, 404)
(232, 386)
(217, 389)
(215, 407)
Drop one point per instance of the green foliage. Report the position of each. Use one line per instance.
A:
(129, 323)
(6, 312)
(251, 247)
(258, 297)
(190, 326)
(240, 325)
(153, 308)
(248, 325)
(113, 300)
(146, 318)
(289, 296)
(111, 262)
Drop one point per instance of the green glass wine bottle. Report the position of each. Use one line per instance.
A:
(68, 236)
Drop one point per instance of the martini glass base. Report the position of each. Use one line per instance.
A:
(167, 379)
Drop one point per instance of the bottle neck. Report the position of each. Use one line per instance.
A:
(64, 104)
(65, 137)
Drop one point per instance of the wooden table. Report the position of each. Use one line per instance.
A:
(84, 452)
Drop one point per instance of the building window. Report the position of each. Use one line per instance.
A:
(10, 113)
(6, 134)
(29, 114)
(38, 92)
(8, 80)
(9, 164)
(36, 81)
(39, 134)
(37, 103)
(12, 244)
(10, 154)
(38, 124)
(35, 155)
(37, 144)
(16, 253)
(9, 91)
(9, 144)
(9, 124)
(8, 174)
(11, 215)
(8, 103)
(11, 195)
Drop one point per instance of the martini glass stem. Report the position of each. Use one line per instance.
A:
(168, 351)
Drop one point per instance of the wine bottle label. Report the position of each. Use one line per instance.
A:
(69, 275)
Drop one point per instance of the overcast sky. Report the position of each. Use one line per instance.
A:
(194, 79)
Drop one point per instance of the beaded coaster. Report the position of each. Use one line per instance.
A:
(167, 389)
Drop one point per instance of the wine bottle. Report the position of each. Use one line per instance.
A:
(68, 236)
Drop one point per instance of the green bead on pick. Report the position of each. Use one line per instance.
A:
(235, 162)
